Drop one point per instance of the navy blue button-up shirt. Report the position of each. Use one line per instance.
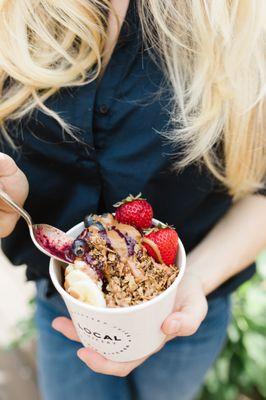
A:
(119, 150)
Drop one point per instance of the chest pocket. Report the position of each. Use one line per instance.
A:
(40, 137)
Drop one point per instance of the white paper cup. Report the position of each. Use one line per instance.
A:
(120, 334)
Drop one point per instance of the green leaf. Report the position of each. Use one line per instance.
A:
(241, 368)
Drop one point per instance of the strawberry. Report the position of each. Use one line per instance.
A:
(161, 243)
(134, 211)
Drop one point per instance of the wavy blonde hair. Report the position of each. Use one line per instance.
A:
(213, 52)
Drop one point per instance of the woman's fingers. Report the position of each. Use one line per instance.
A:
(91, 358)
(7, 223)
(65, 326)
(187, 321)
(8, 218)
(7, 165)
(191, 309)
(14, 182)
(99, 364)
(8, 168)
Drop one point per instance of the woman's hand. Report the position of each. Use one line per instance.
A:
(190, 310)
(14, 182)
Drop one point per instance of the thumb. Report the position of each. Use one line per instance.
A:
(187, 319)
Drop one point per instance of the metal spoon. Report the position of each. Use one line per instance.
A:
(48, 239)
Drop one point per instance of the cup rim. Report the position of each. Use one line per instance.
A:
(118, 310)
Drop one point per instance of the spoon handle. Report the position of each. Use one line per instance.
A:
(11, 203)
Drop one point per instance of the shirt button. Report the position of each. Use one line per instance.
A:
(104, 109)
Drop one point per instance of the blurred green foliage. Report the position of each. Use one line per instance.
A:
(25, 329)
(241, 368)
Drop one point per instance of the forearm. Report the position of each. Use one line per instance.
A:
(232, 244)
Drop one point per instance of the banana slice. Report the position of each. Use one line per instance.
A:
(82, 287)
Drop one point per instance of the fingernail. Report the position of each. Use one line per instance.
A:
(80, 353)
(84, 354)
(54, 325)
(174, 327)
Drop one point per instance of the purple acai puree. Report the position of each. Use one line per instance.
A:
(105, 237)
(130, 245)
(88, 258)
(53, 244)
(130, 242)
(84, 234)
(98, 268)
(81, 248)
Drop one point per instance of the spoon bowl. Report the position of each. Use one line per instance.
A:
(49, 240)
(52, 241)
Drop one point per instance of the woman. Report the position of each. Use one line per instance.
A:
(171, 105)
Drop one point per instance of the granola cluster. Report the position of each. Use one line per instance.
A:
(140, 279)
(115, 256)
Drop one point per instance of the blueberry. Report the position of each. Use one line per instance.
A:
(88, 221)
(79, 247)
(99, 226)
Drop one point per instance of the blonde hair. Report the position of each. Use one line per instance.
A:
(213, 53)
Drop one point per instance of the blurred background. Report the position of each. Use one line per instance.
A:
(239, 373)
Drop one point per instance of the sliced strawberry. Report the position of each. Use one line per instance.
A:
(134, 211)
(162, 244)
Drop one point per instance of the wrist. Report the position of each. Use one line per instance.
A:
(207, 270)
(190, 277)
(194, 273)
